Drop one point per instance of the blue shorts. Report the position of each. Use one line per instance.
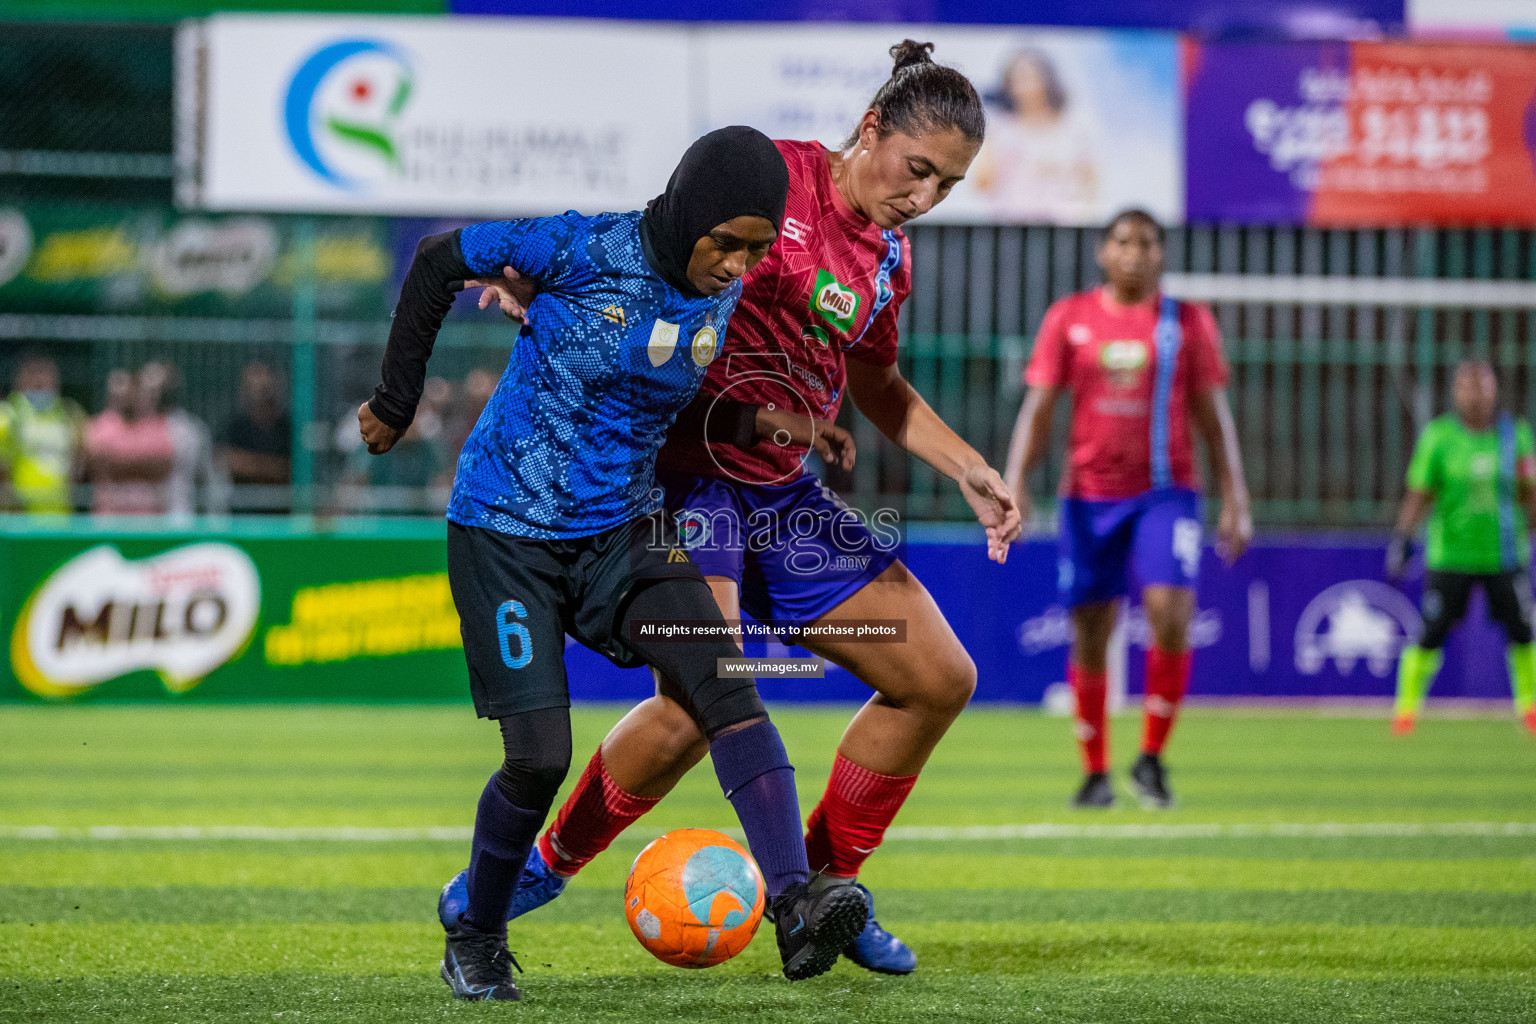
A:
(1155, 536)
(796, 550)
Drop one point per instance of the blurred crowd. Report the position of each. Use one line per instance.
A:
(145, 454)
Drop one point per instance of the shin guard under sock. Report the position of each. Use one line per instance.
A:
(755, 773)
(504, 834)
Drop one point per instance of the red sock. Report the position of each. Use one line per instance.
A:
(852, 817)
(1167, 679)
(590, 819)
(1092, 691)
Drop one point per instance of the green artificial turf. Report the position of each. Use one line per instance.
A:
(1249, 924)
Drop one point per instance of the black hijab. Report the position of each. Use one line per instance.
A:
(731, 172)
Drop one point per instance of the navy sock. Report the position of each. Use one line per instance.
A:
(504, 833)
(756, 775)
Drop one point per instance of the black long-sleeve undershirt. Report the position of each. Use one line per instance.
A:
(437, 272)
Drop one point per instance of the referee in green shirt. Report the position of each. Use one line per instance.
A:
(1475, 474)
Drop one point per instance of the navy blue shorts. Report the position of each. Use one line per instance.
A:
(796, 550)
(1155, 537)
(518, 597)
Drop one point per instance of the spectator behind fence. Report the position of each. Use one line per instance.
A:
(423, 464)
(479, 385)
(193, 484)
(256, 444)
(39, 440)
(128, 451)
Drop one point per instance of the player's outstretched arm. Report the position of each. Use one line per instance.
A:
(901, 414)
(1213, 419)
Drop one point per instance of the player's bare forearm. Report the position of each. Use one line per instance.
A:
(1031, 439)
(893, 405)
(1412, 511)
(1213, 419)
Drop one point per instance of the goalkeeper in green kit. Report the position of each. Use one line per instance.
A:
(1474, 472)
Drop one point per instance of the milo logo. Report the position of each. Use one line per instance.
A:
(833, 302)
(1123, 356)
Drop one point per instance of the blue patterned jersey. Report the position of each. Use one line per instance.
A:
(567, 445)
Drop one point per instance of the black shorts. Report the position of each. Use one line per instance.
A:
(517, 599)
(1445, 603)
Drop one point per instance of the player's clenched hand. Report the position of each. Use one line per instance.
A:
(833, 443)
(1234, 529)
(512, 293)
(990, 499)
(378, 435)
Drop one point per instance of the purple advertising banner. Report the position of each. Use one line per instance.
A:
(1210, 17)
(1292, 618)
(1361, 133)
(1228, 176)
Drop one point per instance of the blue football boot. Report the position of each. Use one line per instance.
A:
(535, 887)
(878, 950)
(454, 899)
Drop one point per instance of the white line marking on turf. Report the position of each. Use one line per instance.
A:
(1321, 829)
(913, 833)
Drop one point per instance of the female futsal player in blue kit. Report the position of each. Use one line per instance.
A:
(555, 517)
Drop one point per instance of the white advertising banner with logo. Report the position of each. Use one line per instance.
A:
(504, 116)
(473, 116)
(1080, 124)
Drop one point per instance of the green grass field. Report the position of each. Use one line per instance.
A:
(1247, 922)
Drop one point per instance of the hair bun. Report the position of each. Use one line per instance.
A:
(909, 52)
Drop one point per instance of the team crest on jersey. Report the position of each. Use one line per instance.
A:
(704, 345)
(833, 302)
(663, 342)
(1124, 360)
(810, 333)
(692, 530)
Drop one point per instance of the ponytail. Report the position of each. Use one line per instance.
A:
(921, 96)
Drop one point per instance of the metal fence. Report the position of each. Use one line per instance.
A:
(1339, 343)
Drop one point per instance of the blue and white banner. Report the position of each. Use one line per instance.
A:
(489, 116)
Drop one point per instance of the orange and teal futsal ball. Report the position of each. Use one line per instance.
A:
(694, 898)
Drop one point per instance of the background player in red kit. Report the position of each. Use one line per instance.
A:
(816, 320)
(1141, 367)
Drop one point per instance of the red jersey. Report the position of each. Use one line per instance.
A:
(830, 287)
(1121, 398)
